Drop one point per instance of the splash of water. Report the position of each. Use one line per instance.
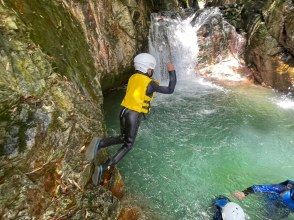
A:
(285, 102)
(205, 17)
(173, 39)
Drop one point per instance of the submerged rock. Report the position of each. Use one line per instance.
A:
(130, 213)
(113, 181)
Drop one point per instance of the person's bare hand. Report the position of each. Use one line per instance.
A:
(170, 67)
(239, 195)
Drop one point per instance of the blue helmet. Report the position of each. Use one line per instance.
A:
(288, 198)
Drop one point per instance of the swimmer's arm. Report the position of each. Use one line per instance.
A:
(273, 188)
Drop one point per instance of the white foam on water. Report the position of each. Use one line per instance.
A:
(224, 70)
(285, 103)
(207, 83)
(207, 111)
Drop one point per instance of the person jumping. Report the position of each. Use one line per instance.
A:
(136, 103)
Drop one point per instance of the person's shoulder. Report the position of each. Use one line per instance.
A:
(153, 81)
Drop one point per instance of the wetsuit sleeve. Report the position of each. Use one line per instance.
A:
(274, 188)
(154, 87)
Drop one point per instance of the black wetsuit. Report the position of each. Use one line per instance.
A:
(130, 121)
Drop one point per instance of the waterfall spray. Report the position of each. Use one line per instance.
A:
(173, 39)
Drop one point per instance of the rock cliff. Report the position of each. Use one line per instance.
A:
(56, 57)
(269, 26)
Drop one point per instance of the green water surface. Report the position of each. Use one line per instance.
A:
(204, 141)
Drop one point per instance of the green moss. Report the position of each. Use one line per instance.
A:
(62, 101)
(61, 37)
(262, 32)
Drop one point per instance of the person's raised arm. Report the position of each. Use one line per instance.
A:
(154, 87)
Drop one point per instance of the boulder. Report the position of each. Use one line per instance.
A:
(274, 65)
(270, 30)
(218, 40)
(279, 19)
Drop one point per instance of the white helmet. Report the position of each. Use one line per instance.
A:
(233, 211)
(144, 61)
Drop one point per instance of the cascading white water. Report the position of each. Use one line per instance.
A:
(173, 39)
(205, 17)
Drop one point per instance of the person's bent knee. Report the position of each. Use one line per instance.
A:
(129, 144)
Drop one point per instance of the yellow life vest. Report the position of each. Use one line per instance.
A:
(136, 98)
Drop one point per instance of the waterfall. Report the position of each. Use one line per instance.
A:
(173, 39)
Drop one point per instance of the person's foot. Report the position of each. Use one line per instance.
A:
(97, 175)
(92, 149)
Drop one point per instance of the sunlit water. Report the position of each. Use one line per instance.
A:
(203, 141)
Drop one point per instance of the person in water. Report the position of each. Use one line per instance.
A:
(280, 197)
(135, 105)
(227, 210)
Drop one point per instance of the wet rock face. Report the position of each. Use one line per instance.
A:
(88, 41)
(279, 18)
(55, 59)
(210, 3)
(58, 35)
(166, 5)
(218, 40)
(46, 120)
(270, 45)
(270, 30)
(22, 198)
(233, 14)
(275, 66)
(116, 31)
